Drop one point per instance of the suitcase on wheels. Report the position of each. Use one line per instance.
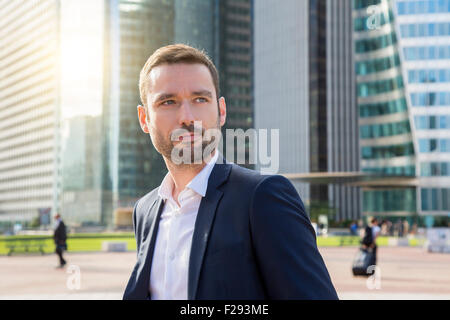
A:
(364, 258)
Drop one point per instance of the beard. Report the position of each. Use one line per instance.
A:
(190, 153)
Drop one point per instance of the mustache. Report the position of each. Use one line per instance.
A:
(187, 129)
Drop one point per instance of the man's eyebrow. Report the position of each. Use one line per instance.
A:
(203, 93)
(164, 96)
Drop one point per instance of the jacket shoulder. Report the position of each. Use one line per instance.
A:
(253, 179)
(146, 201)
(242, 174)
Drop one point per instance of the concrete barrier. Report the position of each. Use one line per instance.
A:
(438, 240)
(114, 246)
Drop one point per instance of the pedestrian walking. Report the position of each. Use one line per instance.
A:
(371, 233)
(366, 257)
(60, 237)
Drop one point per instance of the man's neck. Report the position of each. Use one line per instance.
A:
(183, 174)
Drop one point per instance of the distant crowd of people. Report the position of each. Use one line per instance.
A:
(401, 228)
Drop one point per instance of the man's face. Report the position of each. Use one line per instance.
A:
(179, 95)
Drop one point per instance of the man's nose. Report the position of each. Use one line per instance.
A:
(185, 116)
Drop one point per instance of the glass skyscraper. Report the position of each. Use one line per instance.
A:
(424, 34)
(403, 99)
(131, 165)
(305, 88)
(29, 109)
(386, 140)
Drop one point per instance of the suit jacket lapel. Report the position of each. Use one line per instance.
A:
(204, 222)
(148, 245)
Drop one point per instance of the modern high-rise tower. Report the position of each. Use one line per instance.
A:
(402, 53)
(424, 39)
(305, 88)
(386, 139)
(29, 109)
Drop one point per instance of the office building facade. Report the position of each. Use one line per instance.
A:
(402, 53)
(305, 88)
(386, 136)
(29, 100)
(342, 113)
(131, 165)
(424, 38)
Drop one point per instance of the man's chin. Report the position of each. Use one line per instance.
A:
(189, 154)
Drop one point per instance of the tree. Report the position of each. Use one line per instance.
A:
(317, 208)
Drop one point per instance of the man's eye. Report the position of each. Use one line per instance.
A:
(201, 100)
(167, 102)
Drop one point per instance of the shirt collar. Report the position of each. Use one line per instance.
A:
(199, 183)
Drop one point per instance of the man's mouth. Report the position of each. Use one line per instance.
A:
(189, 137)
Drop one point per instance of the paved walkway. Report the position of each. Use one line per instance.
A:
(405, 273)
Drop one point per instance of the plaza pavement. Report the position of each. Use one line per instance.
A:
(405, 273)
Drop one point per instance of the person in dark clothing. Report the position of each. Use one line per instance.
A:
(370, 235)
(60, 237)
(354, 228)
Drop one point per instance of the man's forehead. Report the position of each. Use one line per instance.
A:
(174, 76)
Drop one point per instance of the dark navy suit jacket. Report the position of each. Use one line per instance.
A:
(252, 240)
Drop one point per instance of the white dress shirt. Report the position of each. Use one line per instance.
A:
(170, 264)
(375, 231)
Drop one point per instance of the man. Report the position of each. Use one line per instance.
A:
(213, 230)
(354, 228)
(370, 236)
(375, 233)
(60, 237)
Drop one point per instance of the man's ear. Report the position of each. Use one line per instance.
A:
(143, 118)
(222, 111)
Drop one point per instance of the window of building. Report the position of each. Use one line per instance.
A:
(421, 31)
(431, 6)
(421, 6)
(412, 76)
(434, 199)
(411, 7)
(433, 145)
(433, 121)
(431, 29)
(444, 122)
(424, 145)
(421, 122)
(389, 200)
(425, 169)
(435, 169)
(424, 199)
(442, 75)
(442, 52)
(401, 8)
(445, 166)
(432, 53)
(444, 145)
(421, 53)
(445, 199)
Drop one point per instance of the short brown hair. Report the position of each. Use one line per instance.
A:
(171, 54)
